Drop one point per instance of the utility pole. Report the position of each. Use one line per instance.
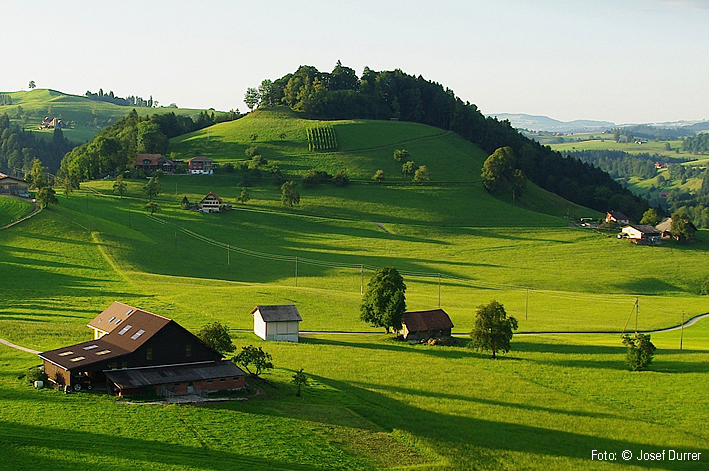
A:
(681, 335)
(361, 280)
(439, 290)
(228, 258)
(129, 218)
(296, 272)
(526, 305)
(637, 312)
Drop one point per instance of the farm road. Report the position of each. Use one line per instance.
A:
(37, 209)
(24, 349)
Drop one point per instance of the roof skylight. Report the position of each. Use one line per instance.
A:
(125, 329)
(78, 359)
(103, 352)
(137, 334)
(68, 352)
(90, 347)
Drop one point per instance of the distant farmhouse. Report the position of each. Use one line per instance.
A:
(211, 203)
(134, 351)
(423, 325)
(642, 234)
(277, 322)
(13, 186)
(51, 123)
(150, 163)
(617, 217)
(200, 165)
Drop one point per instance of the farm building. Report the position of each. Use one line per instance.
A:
(200, 165)
(277, 322)
(13, 186)
(134, 350)
(154, 162)
(422, 325)
(642, 234)
(211, 203)
(618, 217)
(664, 228)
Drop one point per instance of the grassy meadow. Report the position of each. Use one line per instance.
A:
(649, 147)
(12, 209)
(372, 403)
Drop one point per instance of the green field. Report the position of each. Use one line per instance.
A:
(89, 116)
(649, 147)
(373, 403)
(12, 209)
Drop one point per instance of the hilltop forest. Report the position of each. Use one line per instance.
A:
(341, 94)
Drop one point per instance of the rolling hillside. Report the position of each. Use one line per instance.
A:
(85, 117)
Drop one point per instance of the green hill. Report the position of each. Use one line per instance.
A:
(85, 117)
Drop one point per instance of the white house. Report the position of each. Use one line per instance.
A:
(642, 234)
(211, 203)
(277, 322)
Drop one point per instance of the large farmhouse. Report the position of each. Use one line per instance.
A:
(211, 203)
(200, 165)
(617, 217)
(134, 351)
(422, 325)
(277, 322)
(642, 234)
(13, 186)
(154, 162)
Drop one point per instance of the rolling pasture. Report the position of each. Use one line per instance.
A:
(372, 403)
(13, 209)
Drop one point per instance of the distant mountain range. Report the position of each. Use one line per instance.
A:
(545, 123)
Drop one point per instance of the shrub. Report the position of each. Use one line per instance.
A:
(341, 179)
(378, 175)
(36, 374)
(315, 177)
(252, 151)
(257, 161)
(640, 351)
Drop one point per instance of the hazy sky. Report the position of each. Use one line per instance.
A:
(622, 60)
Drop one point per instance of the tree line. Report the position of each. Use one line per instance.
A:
(341, 94)
(698, 144)
(116, 100)
(621, 164)
(19, 148)
(115, 148)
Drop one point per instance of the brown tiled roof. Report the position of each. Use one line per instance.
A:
(134, 329)
(618, 216)
(644, 228)
(281, 313)
(417, 321)
(8, 177)
(152, 376)
(200, 158)
(153, 158)
(214, 196)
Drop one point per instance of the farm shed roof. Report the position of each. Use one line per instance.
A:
(644, 228)
(8, 177)
(83, 354)
(153, 158)
(279, 313)
(435, 319)
(151, 376)
(200, 158)
(618, 216)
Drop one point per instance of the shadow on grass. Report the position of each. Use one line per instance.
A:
(64, 442)
(394, 346)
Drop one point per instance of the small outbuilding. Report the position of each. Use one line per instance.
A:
(277, 322)
(13, 186)
(422, 325)
(642, 234)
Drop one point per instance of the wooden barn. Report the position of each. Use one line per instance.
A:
(149, 351)
(277, 322)
(642, 234)
(13, 186)
(422, 325)
(200, 165)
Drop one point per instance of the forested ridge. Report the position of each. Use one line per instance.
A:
(621, 164)
(18, 148)
(341, 94)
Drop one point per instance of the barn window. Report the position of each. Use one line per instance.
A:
(124, 364)
(188, 350)
(235, 379)
(209, 381)
(149, 353)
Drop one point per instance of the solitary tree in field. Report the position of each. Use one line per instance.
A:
(401, 155)
(300, 380)
(32, 85)
(152, 188)
(244, 196)
(37, 176)
(119, 186)
(289, 194)
(216, 335)
(378, 176)
(254, 357)
(493, 329)
(422, 175)
(498, 169)
(151, 206)
(46, 196)
(408, 168)
(385, 300)
(640, 351)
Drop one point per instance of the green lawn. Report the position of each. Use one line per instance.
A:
(12, 209)
(650, 147)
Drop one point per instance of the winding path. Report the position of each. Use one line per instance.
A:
(35, 211)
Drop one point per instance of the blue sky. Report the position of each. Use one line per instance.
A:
(622, 61)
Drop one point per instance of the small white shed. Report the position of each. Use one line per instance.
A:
(277, 322)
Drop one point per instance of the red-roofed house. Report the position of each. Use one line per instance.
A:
(211, 203)
(421, 325)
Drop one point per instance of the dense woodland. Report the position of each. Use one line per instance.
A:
(621, 164)
(698, 144)
(341, 94)
(18, 148)
(114, 148)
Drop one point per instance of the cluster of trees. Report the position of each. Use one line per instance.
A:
(394, 94)
(5, 99)
(18, 148)
(698, 144)
(500, 172)
(116, 100)
(419, 174)
(114, 148)
(620, 164)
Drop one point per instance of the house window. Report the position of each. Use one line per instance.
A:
(149, 353)
(124, 364)
(222, 380)
(188, 350)
(209, 381)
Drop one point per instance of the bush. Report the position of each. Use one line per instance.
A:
(315, 177)
(36, 374)
(640, 351)
(257, 162)
(252, 151)
(378, 175)
(341, 179)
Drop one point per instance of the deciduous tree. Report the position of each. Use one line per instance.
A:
(498, 169)
(378, 176)
(216, 335)
(640, 351)
(300, 380)
(289, 194)
(650, 217)
(119, 186)
(493, 329)
(252, 98)
(46, 196)
(152, 188)
(244, 196)
(254, 357)
(422, 175)
(384, 300)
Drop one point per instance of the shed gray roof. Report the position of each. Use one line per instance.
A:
(281, 313)
(154, 376)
